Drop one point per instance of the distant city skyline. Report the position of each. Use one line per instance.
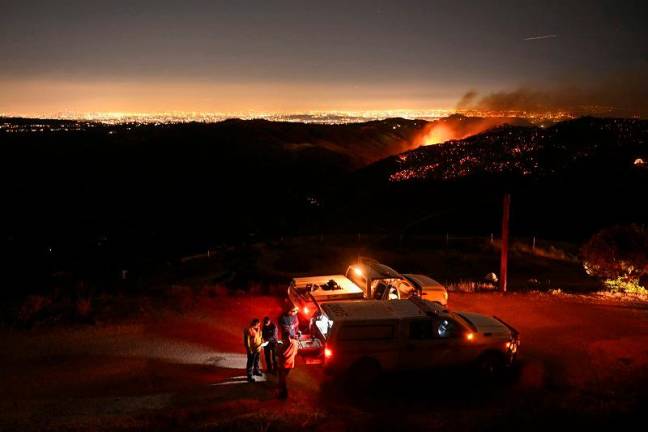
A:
(294, 57)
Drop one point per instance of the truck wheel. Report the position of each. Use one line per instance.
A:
(491, 365)
(364, 372)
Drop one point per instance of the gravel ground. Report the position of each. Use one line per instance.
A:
(583, 362)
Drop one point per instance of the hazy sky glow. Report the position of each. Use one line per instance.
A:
(288, 56)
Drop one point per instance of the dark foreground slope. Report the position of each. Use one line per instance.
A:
(184, 172)
(566, 181)
(123, 193)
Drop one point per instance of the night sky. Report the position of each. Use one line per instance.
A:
(291, 56)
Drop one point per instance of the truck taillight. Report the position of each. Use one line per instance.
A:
(328, 353)
(470, 336)
(306, 310)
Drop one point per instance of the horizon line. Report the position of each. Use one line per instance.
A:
(342, 116)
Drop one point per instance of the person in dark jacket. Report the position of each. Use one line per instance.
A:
(269, 333)
(287, 352)
(289, 323)
(253, 342)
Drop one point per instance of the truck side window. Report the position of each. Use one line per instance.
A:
(422, 330)
(379, 290)
(366, 332)
(447, 329)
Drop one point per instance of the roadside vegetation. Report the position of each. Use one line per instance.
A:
(463, 264)
(619, 257)
(613, 263)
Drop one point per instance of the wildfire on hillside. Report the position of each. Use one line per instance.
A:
(455, 128)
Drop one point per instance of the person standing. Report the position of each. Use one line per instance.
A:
(269, 333)
(287, 352)
(253, 341)
(289, 323)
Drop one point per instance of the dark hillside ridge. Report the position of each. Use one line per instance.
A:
(567, 179)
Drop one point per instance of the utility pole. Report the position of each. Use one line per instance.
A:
(506, 209)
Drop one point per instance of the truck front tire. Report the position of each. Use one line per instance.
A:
(491, 365)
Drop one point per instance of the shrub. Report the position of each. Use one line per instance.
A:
(617, 252)
(83, 309)
(32, 308)
(625, 285)
(181, 297)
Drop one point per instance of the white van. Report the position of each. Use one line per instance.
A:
(367, 337)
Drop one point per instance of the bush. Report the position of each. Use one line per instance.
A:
(181, 297)
(33, 307)
(617, 252)
(83, 309)
(625, 285)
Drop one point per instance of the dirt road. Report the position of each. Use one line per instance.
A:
(582, 362)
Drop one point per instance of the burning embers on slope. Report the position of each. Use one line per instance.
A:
(457, 127)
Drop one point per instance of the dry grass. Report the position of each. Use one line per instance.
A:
(469, 286)
(549, 252)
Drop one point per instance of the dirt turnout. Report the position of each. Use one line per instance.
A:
(583, 362)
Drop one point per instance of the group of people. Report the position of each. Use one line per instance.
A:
(279, 353)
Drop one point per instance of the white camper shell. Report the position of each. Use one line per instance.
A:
(404, 335)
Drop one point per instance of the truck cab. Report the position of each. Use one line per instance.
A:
(381, 282)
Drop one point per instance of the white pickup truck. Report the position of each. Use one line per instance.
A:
(367, 337)
(367, 279)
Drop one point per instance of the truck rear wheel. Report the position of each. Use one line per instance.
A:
(364, 372)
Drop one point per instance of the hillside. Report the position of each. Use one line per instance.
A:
(91, 198)
(97, 196)
(568, 178)
(101, 172)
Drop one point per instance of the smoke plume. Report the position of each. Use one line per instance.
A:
(623, 95)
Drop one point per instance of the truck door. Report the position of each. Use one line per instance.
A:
(422, 347)
(355, 275)
(454, 349)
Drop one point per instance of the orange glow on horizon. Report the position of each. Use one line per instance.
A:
(90, 98)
